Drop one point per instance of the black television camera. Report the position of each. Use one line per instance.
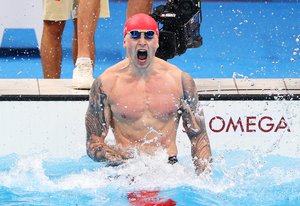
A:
(179, 27)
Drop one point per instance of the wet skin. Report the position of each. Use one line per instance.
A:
(142, 101)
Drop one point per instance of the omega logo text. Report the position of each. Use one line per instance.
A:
(248, 124)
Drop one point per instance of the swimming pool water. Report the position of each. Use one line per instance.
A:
(238, 178)
(253, 39)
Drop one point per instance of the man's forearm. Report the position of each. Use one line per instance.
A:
(201, 151)
(99, 151)
(196, 131)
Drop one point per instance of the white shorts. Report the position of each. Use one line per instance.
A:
(61, 10)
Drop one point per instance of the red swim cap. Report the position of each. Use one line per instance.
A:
(140, 22)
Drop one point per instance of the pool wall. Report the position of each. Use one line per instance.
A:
(47, 116)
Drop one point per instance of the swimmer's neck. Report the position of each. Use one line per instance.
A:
(141, 71)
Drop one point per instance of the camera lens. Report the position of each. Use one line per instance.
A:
(167, 45)
(186, 8)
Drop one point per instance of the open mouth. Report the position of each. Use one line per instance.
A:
(142, 54)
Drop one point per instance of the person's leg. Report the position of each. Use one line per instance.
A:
(75, 42)
(51, 50)
(138, 6)
(87, 18)
(88, 15)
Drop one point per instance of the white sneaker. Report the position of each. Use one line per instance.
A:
(83, 74)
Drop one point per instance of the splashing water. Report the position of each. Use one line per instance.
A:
(238, 177)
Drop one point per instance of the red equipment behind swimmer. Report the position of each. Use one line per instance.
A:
(141, 22)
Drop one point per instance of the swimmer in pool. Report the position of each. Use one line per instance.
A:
(142, 99)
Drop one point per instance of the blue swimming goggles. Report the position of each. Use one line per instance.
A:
(137, 34)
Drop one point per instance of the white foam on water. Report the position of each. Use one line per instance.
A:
(28, 173)
(150, 173)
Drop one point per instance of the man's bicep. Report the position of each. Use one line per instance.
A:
(97, 116)
(190, 95)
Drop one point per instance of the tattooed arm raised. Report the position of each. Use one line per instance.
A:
(97, 120)
(194, 124)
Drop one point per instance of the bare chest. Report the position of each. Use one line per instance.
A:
(134, 101)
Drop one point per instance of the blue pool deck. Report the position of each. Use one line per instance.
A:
(250, 51)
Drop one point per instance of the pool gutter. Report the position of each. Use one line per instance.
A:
(208, 89)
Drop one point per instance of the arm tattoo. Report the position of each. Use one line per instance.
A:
(192, 133)
(96, 119)
(189, 106)
(99, 154)
(189, 91)
(194, 124)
